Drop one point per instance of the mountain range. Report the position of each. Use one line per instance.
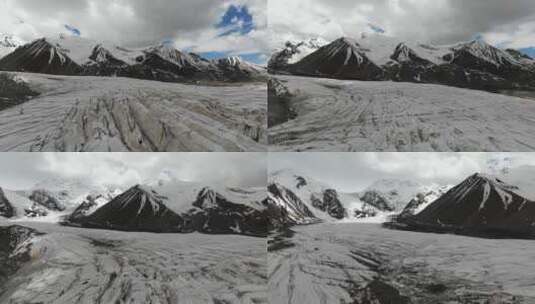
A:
(305, 200)
(474, 64)
(480, 205)
(164, 205)
(72, 55)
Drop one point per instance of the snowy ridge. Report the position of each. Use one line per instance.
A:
(168, 205)
(474, 64)
(482, 50)
(80, 49)
(8, 43)
(307, 200)
(55, 198)
(480, 205)
(72, 55)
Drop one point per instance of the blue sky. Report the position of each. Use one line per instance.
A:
(257, 58)
(236, 24)
(236, 19)
(215, 28)
(72, 30)
(529, 51)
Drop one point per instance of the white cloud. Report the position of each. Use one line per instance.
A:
(23, 170)
(135, 23)
(356, 171)
(439, 21)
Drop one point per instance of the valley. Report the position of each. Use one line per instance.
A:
(360, 116)
(68, 265)
(365, 263)
(84, 113)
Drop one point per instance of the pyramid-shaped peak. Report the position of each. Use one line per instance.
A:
(209, 198)
(493, 180)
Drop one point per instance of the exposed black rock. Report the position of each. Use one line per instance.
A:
(279, 62)
(342, 58)
(292, 209)
(378, 292)
(137, 209)
(365, 212)
(301, 182)
(220, 216)
(6, 209)
(46, 199)
(409, 210)
(277, 215)
(377, 200)
(518, 55)
(104, 63)
(330, 204)
(12, 253)
(161, 63)
(235, 69)
(475, 65)
(40, 56)
(480, 205)
(143, 209)
(84, 208)
(279, 103)
(35, 211)
(13, 92)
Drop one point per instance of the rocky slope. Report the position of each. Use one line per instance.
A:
(480, 205)
(173, 206)
(8, 43)
(305, 200)
(78, 56)
(137, 209)
(15, 250)
(474, 64)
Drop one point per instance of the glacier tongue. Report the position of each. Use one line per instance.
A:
(121, 114)
(97, 266)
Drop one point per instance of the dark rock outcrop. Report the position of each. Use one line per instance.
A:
(481, 205)
(46, 199)
(291, 207)
(377, 200)
(13, 254)
(6, 209)
(143, 209)
(84, 208)
(343, 59)
(475, 65)
(330, 204)
(217, 215)
(137, 209)
(161, 63)
(40, 56)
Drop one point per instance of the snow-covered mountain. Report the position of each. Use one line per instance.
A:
(395, 194)
(306, 200)
(294, 51)
(72, 55)
(8, 43)
(53, 198)
(480, 204)
(170, 205)
(473, 64)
